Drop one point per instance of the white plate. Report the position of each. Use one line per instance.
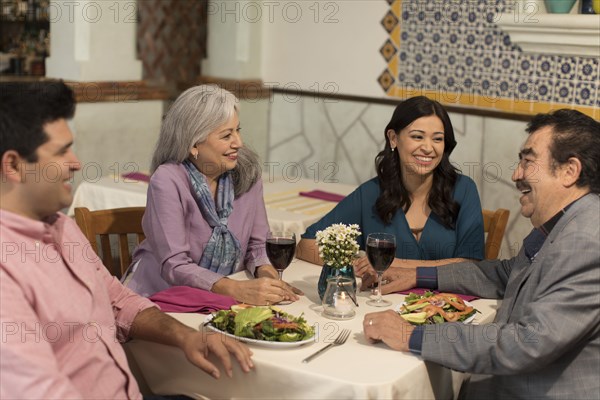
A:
(263, 343)
(466, 321)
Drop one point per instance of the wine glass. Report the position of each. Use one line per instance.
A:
(281, 247)
(381, 250)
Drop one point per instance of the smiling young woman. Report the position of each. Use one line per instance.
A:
(418, 196)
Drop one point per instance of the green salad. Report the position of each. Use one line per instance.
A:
(432, 308)
(262, 323)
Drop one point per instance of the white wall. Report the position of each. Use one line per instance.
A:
(330, 43)
(115, 137)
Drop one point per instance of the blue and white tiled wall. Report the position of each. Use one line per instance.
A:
(456, 47)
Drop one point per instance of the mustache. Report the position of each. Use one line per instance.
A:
(522, 185)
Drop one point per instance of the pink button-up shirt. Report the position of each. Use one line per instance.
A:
(62, 315)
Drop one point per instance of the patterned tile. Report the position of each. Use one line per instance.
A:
(526, 64)
(526, 89)
(584, 93)
(543, 90)
(587, 69)
(566, 68)
(388, 50)
(545, 66)
(386, 80)
(564, 92)
(389, 22)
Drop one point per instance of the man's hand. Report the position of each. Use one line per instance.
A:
(399, 279)
(153, 325)
(388, 327)
(198, 345)
(395, 280)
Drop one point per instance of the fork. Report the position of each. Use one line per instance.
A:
(339, 340)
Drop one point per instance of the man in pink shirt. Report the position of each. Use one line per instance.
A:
(62, 314)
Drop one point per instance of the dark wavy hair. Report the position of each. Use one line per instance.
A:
(574, 134)
(25, 107)
(394, 195)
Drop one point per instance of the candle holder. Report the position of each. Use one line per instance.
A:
(339, 299)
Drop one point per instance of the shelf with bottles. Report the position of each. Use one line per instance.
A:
(24, 36)
(19, 11)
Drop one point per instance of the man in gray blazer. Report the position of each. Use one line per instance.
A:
(545, 339)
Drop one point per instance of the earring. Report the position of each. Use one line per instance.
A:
(195, 156)
(392, 149)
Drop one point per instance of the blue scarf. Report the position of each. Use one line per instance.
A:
(222, 251)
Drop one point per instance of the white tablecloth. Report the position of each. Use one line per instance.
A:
(286, 210)
(355, 370)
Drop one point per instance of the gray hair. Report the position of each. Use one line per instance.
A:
(196, 113)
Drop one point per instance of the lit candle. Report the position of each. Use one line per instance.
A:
(343, 303)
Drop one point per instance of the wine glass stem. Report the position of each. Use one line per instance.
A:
(379, 279)
(280, 272)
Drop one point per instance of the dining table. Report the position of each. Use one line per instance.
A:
(357, 369)
(286, 208)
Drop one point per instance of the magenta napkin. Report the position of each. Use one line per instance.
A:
(137, 176)
(187, 299)
(321, 195)
(421, 291)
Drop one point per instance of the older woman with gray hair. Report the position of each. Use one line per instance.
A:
(205, 214)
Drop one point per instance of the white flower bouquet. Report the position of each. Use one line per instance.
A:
(337, 244)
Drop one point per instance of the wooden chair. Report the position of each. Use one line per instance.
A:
(494, 224)
(103, 223)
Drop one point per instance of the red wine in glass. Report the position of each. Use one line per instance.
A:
(381, 250)
(281, 247)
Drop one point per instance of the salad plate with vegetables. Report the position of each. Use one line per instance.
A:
(263, 326)
(436, 308)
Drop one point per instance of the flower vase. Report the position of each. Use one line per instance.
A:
(330, 272)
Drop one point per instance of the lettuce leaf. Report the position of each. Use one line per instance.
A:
(248, 318)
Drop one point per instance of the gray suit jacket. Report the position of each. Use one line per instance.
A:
(545, 340)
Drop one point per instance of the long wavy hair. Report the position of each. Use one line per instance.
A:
(193, 116)
(394, 195)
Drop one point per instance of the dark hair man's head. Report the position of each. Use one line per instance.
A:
(24, 110)
(37, 162)
(574, 134)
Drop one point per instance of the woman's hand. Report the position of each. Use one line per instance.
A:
(264, 290)
(268, 271)
(362, 267)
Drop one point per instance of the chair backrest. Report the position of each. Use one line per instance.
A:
(494, 224)
(119, 222)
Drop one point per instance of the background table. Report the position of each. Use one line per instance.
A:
(286, 209)
(357, 369)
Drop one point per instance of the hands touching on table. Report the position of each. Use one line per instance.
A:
(396, 278)
(266, 289)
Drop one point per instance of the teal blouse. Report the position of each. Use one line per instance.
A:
(436, 241)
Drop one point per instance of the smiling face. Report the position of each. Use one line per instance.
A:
(420, 146)
(46, 183)
(542, 188)
(219, 152)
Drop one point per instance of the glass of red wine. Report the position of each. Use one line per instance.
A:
(381, 250)
(281, 247)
